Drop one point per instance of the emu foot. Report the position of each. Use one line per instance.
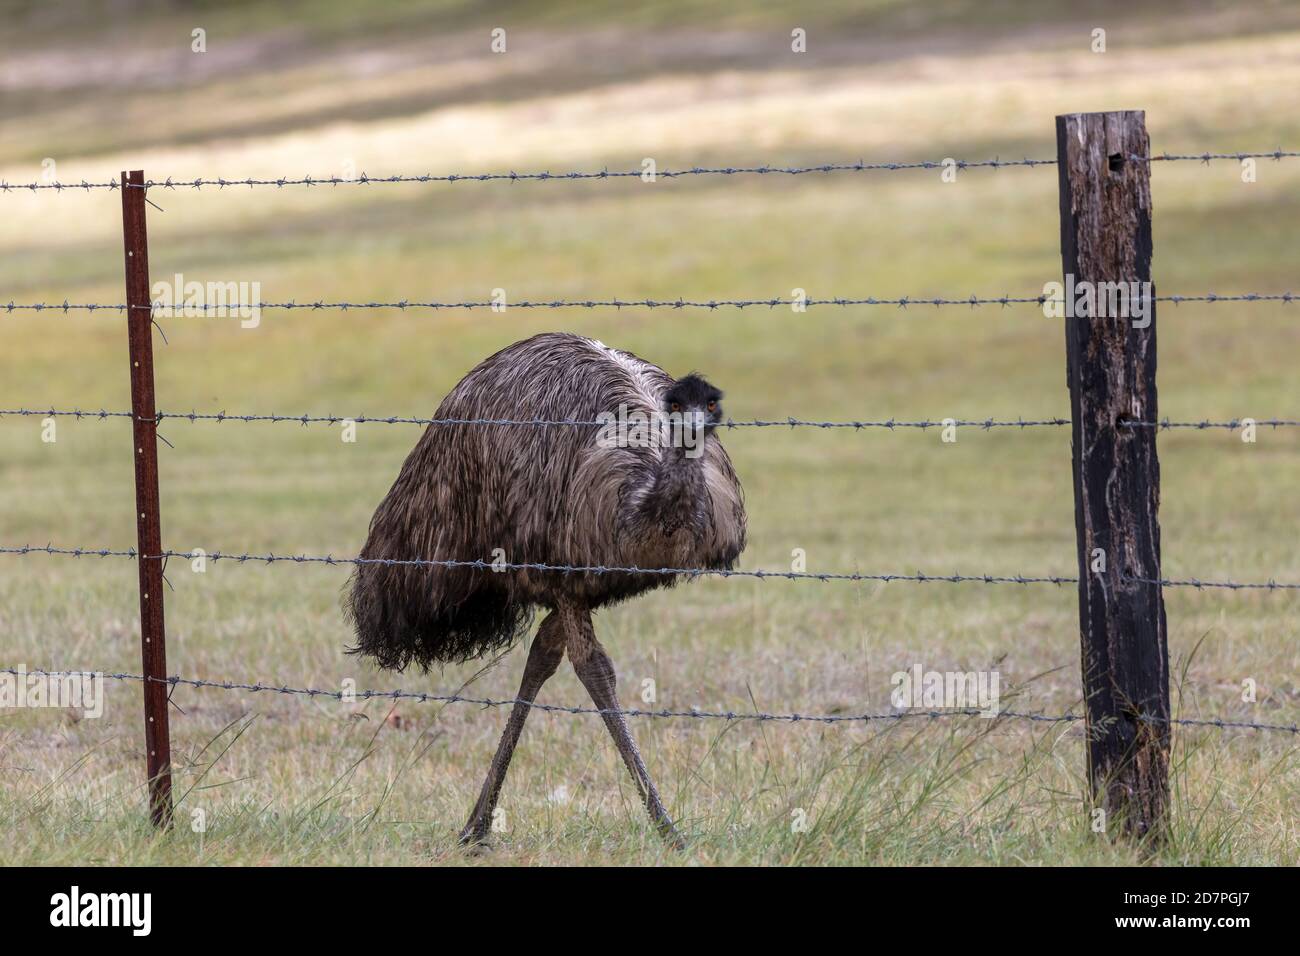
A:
(477, 848)
(476, 829)
(667, 830)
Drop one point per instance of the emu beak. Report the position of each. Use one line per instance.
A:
(694, 429)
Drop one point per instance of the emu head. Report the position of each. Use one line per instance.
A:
(694, 403)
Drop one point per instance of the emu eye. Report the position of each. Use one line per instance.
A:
(676, 407)
(713, 406)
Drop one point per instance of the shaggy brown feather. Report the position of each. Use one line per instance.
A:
(549, 495)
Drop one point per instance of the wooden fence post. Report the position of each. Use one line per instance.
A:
(153, 647)
(1111, 370)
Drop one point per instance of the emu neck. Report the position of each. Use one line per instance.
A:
(678, 491)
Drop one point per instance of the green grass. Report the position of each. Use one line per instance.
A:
(288, 780)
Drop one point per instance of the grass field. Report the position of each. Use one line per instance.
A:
(289, 780)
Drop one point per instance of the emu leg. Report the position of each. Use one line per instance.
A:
(596, 671)
(543, 658)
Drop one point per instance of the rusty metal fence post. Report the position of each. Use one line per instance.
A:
(153, 646)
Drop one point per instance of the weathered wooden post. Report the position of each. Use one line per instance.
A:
(153, 647)
(1110, 336)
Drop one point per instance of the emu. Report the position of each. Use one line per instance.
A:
(571, 495)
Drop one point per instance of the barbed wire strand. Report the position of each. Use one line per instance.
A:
(644, 174)
(985, 423)
(693, 713)
(243, 310)
(267, 559)
(307, 419)
(364, 179)
(481, 565)
(1274, 154)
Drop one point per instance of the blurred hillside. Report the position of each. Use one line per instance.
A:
(91, 78)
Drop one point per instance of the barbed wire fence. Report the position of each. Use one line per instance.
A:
(142, 314)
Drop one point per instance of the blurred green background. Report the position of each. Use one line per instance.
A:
(324, 89)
